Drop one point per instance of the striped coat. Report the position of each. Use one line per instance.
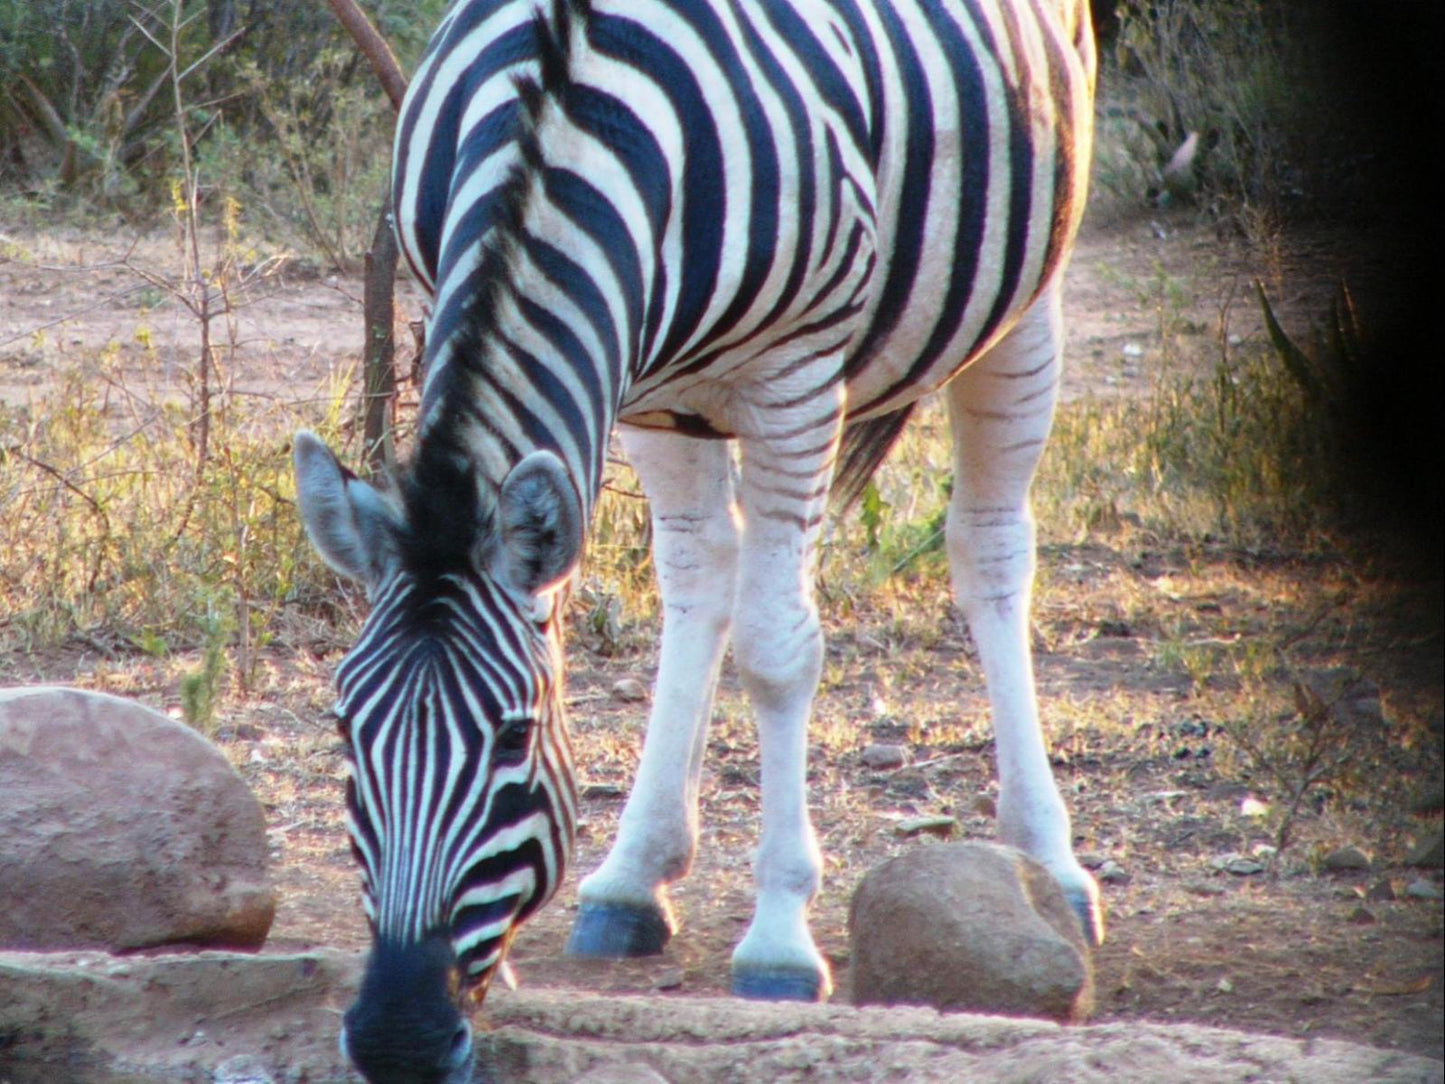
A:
(769, 224)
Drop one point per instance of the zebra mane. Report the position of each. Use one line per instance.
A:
(449, 503)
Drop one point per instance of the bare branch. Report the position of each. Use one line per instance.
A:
(214, 50)
(45, 111)
(374, 47)
(60, 477)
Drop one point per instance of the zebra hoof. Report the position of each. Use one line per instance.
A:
(614, 931)
(1090, 911)
(779, 985)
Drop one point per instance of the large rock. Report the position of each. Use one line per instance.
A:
(969, 926)
(197, 1017)
(122, 829)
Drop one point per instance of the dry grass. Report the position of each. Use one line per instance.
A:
(112, 533)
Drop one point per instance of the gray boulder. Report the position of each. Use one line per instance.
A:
(123, 829)
(969, 926)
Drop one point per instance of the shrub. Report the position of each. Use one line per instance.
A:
(1281, 112)
(87, 113)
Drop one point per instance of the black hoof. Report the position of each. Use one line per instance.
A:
(778, 985)
(613, 931)
(1090, 912)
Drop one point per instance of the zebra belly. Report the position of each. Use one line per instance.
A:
(890, 382)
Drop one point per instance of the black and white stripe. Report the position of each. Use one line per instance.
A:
(438, 851)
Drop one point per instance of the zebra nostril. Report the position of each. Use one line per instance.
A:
(461, 1050)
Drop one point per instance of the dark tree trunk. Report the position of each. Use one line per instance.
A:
(378, 369)
(379, 372)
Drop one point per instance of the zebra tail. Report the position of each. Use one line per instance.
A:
(864, 447)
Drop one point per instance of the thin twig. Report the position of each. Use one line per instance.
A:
(61, 478)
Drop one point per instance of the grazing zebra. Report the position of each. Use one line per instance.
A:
(779, 222)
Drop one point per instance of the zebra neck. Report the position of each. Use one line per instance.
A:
(512, 397)
(534, 341)
(539, 358)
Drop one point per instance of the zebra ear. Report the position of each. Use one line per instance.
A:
(540, 519)
(349, 522)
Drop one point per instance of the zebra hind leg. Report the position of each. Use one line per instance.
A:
(624, 908)
(1001, 409)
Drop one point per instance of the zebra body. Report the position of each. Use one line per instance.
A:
(779, 222)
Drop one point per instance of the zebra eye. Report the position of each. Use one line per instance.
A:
(510, 746)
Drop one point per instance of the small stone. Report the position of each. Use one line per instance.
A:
(1253, 807)
(1429, 853)
(1382, 891)
(1113, 873)
(1345, 859)
(1224, 986)
(629, 689)
(882, 756)
(1424, 890)
(942, 827)
(1238, 864)
(670, 978)
(984, 806)
(1361, 916)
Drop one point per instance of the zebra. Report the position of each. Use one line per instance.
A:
(748, 236)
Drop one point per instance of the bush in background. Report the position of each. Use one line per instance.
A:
(284, 114)
(1300, 110)
(1306, 114)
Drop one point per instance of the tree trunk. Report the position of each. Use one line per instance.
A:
(379, 372)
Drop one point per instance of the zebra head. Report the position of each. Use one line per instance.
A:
(461, 798)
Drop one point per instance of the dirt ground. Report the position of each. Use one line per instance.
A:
(1163, 802)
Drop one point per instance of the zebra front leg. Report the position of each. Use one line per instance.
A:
(624, 909)
(1001, 409)
(778, 647)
